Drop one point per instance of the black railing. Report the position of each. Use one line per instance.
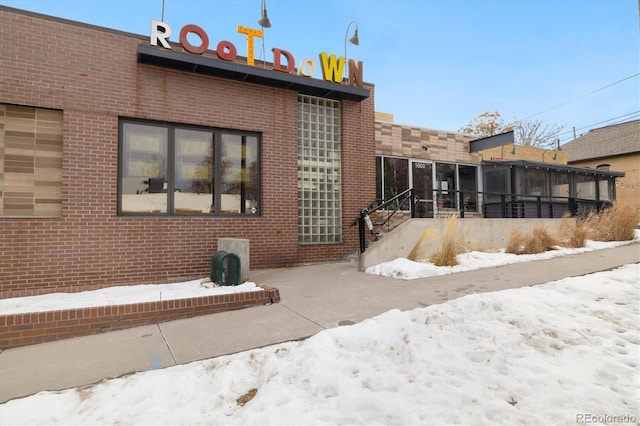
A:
(431, 203)
(401, 202)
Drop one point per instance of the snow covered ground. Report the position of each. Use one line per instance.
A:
(565, 352)
(408, 270)
(118, 295)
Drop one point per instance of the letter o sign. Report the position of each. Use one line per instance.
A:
(226, 50)
(191, 28)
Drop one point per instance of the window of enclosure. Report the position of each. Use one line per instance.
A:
(446, 186)
(319, 171)
(496, 183)
(585, 185)
(560, 184)
(606, 188)
(175, 170)
(532, 182)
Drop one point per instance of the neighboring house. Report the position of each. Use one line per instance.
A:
(616, 148)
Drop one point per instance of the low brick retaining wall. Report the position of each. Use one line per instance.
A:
(38, 327)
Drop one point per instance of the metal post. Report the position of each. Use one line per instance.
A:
(572, 206)
(412, 203)
(363, 213)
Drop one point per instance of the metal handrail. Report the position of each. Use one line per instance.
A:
(365, 219)
(505, 205)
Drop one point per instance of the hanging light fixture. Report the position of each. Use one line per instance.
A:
(264, 19)
(353, 40)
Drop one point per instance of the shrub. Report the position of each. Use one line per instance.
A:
(421, 248)
(516, 241)
(539, 241)
(572, 233)
(615, 223)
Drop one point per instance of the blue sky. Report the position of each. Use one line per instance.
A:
(434, 63)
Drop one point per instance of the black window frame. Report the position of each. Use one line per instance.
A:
(171, 128)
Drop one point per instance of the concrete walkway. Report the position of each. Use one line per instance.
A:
(313, 298)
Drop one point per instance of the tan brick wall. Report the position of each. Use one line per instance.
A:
(506, 152)
(93, 77)
(408, 141)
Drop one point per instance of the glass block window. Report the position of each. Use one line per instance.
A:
(319, 171)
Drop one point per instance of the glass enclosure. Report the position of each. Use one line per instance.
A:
(437, 186)
(540, 190)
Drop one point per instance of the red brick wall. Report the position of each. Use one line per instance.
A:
(38, 327)
(93, 76)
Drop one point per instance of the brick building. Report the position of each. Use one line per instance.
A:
(122, 162)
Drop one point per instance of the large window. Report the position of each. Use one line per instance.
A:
(496, 183)
(170, 169)
(532, 182)
(469, 186)
(30, 162)
(396, 176)
(560, 182)
(585, 186)
(319, 171)
(446, 186)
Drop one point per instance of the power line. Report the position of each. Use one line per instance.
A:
(575, 99)
(628, 119)
(600, 122)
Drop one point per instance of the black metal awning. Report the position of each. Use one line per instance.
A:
(189, 62)
(491, 141)
(551, 166)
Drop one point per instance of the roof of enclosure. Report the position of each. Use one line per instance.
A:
(550, 166)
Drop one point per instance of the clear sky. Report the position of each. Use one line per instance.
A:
(434, 63)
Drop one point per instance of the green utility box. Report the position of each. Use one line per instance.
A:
(225, 268)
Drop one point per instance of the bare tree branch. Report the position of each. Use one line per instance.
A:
(532, 133)
(535, 133)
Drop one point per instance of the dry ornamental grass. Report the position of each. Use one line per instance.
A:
(450, 246)
(616, 223)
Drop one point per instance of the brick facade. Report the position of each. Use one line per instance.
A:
(92, 75)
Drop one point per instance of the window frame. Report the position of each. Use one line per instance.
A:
(171, 157)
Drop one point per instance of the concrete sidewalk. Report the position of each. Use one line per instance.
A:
(313, 298)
